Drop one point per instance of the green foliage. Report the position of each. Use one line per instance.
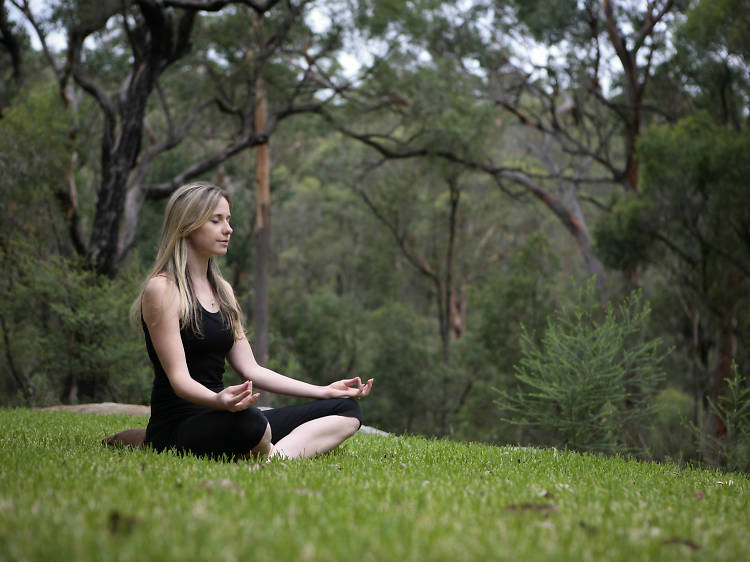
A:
(34, 152)
(399, 356)
(667, 434)
(711, 60)
(63, 328)
(521, 294)
(321, 329)
(692, 207)
(548, 22)
(589, 384)
(733, 412)
(622, 236)
(66, 497)
(67, 335)
(716, 25)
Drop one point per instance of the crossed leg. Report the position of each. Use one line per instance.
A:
(306, 430)
(315, 437)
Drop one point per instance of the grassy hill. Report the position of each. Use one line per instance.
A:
(63, 496)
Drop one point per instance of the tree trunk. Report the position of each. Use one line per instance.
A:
(103, 248)
(262, 237)
(572, 220)
(22, 379)
(13, 47)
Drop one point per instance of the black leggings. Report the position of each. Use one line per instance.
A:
(215, 433)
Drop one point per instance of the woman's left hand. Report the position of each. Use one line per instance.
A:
(348, 388)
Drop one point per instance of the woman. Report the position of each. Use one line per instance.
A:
(192, 323)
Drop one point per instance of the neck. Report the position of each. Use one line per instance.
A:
(197, 269)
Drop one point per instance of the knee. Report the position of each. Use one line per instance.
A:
(254, 431)
(350, 426)
(349, 408)
(264, 446)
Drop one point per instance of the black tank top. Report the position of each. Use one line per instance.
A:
(205, 355)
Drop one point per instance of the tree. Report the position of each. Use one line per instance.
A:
(152, 46)
(581, 135)
(692, 220)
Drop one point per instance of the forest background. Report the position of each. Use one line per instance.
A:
(527, 220)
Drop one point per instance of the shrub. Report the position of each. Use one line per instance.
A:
(67, 334)
(733, 410)
(588, 384)
(669, 435)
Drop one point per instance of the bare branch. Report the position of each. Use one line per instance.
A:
(651, 21)
(419, 263)
(617, 41)
(216, 5)
(25, 8)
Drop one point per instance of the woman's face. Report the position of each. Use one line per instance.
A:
(212, 238)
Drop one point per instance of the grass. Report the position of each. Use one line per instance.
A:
(63, 496)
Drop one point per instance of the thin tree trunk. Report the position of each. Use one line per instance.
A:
(262, 237)
(22, 380)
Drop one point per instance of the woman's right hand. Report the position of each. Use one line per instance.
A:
(237, 397)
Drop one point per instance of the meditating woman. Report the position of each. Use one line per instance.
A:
(192, 323)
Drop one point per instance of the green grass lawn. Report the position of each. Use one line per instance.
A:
(63, 496)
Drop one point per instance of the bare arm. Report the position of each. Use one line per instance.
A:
(243, 361)
(160, 309)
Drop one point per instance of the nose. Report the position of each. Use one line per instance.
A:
(228, 228)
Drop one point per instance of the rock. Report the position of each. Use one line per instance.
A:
(367, 430)
(104, 408)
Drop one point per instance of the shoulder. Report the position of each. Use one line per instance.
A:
(160, 298)
(159, 286)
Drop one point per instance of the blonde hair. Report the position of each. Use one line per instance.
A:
(187, 210)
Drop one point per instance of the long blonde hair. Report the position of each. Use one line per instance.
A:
(187, 210)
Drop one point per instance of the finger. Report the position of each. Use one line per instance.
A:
(246, 402)
(367, 388)
(237, 388)
(240, 396)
